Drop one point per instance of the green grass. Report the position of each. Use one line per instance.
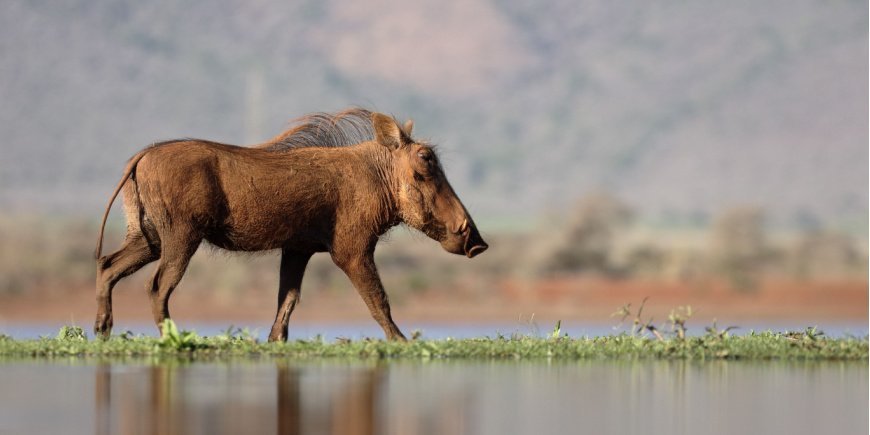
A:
(806, 345)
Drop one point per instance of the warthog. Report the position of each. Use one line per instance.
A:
(333, 183)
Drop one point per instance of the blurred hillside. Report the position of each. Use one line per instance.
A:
(682, 109)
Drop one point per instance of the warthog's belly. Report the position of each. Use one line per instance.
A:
(264, 238)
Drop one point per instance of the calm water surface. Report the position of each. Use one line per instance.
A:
(435, 397)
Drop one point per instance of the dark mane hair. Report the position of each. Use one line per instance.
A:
(348, 127)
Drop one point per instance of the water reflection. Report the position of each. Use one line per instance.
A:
(289, 397)
(173, 397)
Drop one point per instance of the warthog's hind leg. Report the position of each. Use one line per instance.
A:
(175, 256)
(289, 289)
(135, 253)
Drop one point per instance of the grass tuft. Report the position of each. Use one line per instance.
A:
(178, 341)
(71, 333)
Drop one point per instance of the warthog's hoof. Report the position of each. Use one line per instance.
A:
(103, 326)
(277, 336)
(397, 336)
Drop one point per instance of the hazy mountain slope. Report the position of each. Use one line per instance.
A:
(680, 108)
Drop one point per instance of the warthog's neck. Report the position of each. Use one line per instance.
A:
(382, 200)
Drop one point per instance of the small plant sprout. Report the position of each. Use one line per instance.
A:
(678, 318)
(623, 311)
(811, 333)
(713, 331)
(534, 325)
(175, 339)
(535, 331)
(638, 325)
(557, 330)
(234, 333)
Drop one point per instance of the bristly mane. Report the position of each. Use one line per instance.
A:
(348, 127)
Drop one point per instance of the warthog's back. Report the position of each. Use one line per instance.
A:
(244, 199)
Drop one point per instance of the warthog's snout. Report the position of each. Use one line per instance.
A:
(474, 243)
(464, 239)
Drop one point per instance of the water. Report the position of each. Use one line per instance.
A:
(437, 397)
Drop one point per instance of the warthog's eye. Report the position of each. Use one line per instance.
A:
(426, 156)
(425, 164)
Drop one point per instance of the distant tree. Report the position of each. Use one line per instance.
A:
(739, 246)
(589, 236)
(646, 260)
(826, 254)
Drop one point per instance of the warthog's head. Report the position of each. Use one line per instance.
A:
(424, 196)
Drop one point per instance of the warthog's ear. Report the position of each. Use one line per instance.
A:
(407, 127)
(387, 132)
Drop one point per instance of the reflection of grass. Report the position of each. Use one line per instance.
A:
(806, 345)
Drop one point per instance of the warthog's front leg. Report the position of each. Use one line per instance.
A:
(289, 289)
(364, 276)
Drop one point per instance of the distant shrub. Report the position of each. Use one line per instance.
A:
(588, 238)
(826, 254)
(739, 246)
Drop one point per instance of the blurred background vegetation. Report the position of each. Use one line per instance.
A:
(598, 238)
(663, 140)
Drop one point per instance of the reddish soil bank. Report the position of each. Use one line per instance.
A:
(571, 300)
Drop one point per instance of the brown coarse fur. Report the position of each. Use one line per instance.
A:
(334, 183)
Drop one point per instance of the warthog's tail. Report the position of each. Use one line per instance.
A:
(128, 171)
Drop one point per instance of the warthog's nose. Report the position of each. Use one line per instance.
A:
(474, 244)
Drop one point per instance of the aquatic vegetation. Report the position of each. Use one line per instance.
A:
(71, 333)
(180, 341)
(810, 344)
